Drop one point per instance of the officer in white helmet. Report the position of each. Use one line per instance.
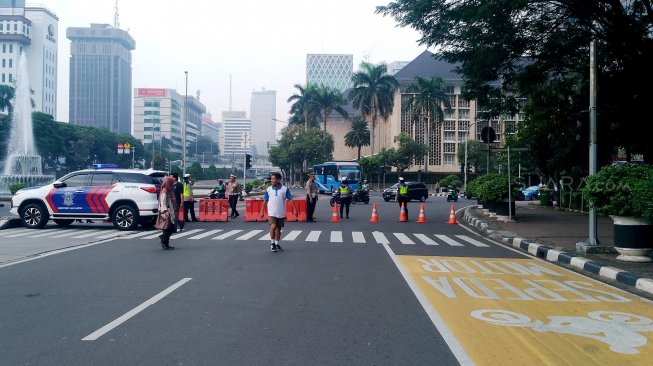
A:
(344, 195)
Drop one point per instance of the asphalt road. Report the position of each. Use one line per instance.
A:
(349, 293)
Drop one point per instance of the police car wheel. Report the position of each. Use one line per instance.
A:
(125, 218)
(63, 222)
(422, 199)
(34, 216)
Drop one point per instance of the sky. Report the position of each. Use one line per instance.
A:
(259, 43)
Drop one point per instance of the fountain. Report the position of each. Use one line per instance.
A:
(23, 164)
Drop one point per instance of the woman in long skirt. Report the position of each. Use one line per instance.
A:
(167, 204)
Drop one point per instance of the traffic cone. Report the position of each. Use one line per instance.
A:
(335, 217)
(375, 215)
(452, 216)
(402, 213)
(422, 217)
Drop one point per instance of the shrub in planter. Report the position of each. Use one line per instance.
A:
(451, 180)
(624, 193)
(493, 188)
(472, 187)
(15, 187)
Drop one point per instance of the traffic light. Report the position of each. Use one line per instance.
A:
(248, 161)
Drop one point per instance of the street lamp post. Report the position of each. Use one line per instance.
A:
(183, 130)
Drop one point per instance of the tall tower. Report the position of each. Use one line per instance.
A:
(330, 70)
(101, 77)
(263, 112)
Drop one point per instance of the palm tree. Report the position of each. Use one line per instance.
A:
(303, 103)
(425, 104)
(359, 135)
(327, 100)
(373, 93)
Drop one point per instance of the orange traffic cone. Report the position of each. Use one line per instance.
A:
(334, 216)
(422, 217)
(452, 216)
(402, 213)
(180, 214)
(375, 215)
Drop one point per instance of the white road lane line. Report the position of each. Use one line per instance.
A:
(448, 240)
(425, 239)
(113, 234)
(68, 232)
(292, 235)
(226, 235)
(472, 241)
(136, 235)
(17, 230)
(249, 235)
(87, 233)
(22, 233)
(158, 232)
(380, 238)
(448, 336)
(153, 300)
(403, 238)
(265, 237)
(48, 233)
(184, 233)
(314, 236)
(358, 237)
(336, 236)
(204, 235)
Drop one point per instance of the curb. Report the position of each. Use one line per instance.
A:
(554, 255)
(10, 222)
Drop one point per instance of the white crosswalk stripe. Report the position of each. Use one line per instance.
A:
(425, 239)
(291, 235)
(448, 240)
(472, 241)
(313, 236)
(403, 238)
(204, 235)
(336, 236)
(249, 235)
(226, 235)
(358, 237)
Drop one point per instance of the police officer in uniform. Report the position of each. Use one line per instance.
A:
(402, 194)
(189, 200)
(344, 193)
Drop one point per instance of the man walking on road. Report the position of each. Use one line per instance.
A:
(233, 192)
(402, 195)
(189, 200)
(178, 190)
(311, 197)
(274, 201)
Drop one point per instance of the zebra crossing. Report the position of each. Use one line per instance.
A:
(307, 236)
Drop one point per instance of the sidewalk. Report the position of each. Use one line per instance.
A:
(552, 234)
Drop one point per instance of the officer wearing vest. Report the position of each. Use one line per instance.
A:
(189, 200)
(344, 194)
(402, 194)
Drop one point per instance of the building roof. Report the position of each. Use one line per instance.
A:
(427, 66)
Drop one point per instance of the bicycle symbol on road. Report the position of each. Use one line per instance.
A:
(618, 330)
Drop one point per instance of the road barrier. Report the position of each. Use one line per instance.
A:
(212, 210)
(253, 210)
(300, 204)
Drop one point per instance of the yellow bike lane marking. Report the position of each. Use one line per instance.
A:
(510, 311)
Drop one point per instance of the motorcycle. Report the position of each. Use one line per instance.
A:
(334, 199)
(360, 196)
(452, 195)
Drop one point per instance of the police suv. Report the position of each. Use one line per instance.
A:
(127, 197)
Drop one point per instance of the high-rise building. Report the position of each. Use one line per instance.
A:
(159, 113)
(101, 77)
(236, 133)
(31, 29)
(330, 70)
(210, 128)
(263, 112)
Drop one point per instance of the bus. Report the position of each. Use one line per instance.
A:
(328, 175)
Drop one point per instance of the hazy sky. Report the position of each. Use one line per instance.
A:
(259, 43)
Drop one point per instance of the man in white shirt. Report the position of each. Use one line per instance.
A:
(274, 201)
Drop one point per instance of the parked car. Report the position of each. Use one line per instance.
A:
(416, 191)
(531, 193)
(127, 197)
